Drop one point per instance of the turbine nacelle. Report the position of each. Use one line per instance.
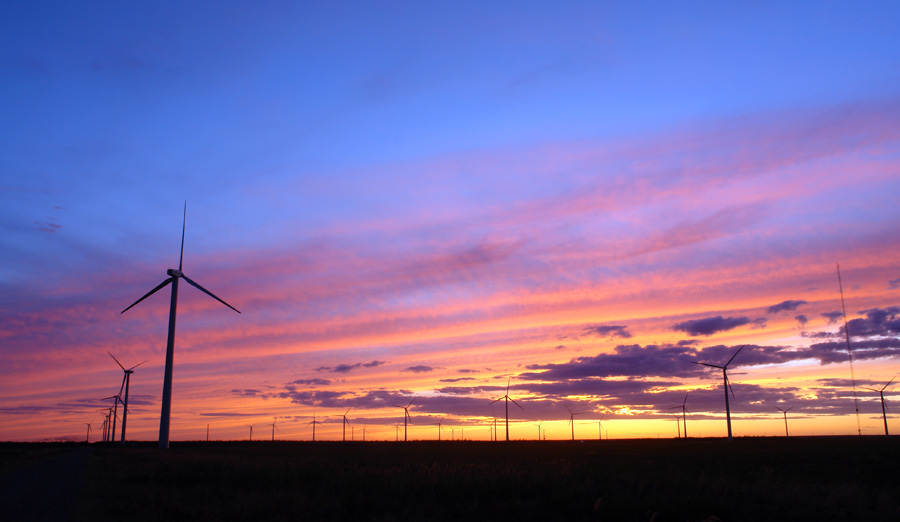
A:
(174, 272)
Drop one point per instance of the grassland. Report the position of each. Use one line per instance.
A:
(817, 479)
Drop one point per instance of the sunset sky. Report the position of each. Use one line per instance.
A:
(408, 200)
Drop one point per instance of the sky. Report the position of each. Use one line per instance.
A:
(435, 203)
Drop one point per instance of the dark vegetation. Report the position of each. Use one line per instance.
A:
(817, 478)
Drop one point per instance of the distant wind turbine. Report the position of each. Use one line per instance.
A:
(314, 422)
(344, 426)
(678, 423)
(251, 431)
(684, 414)
(174, 276)
(114, 412)
(87, 438)
(782, 410)
(406, 416)
(440, 427)
(507, 398)
(572, 419)
(126, 382)
(726, 384)
(883, 408)
(539, 429)
(273, 428)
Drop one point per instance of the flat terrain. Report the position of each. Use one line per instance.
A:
(817, 478)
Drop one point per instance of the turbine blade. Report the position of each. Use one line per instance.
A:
(500, 399)
(728, 382)
(516, 403)
(117, 361)
(735, 355)
(207, 292)
(183, 221)
(889, 383)
(410, 402)
(707, 364)
(136, 365)
(567, 409)
(148, 294)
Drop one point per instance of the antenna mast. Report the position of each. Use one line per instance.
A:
(849, 353)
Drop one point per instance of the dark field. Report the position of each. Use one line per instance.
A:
(819, 478)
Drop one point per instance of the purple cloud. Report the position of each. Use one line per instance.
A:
(608, 331)
(420, 369)
(785, 306)
(346, 368)
(832, 317)
(710, 325)
(802, 320)
(894, 284)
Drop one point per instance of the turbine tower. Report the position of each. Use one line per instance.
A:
(572, 420)
(273, 428)
(314, 422)
(344, 426)
(126, 382)
(726, 384)
(782, 410)
(440, 427)
(174, 276)
(684, 413)
(507, 398)
(883, 409)
(406, 416)
(87, 438)
(251, 431)
(539, 429)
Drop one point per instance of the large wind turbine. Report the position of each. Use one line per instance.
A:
(883, 409)
(572, 420)
(174, 276)
(726, 384)
(126, 382)
(507, 398)
(406, 416)
(784, 411)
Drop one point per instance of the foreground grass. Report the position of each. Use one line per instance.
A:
(690, 480)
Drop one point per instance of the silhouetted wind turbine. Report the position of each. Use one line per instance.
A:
(684, 414)
(87, 438)
(251, 431)
(344, 426)
(782, 410)
(406, 416)
(539, 429)
(114, 412)
(507, 398)
(440, 427)
(126, 382)
(174, 276)
(572, 420)
(314, 422)
(273, 428)
(883, 408)
(726, 384)
(678, 423)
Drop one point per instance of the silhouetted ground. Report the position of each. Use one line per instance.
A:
(818, 478)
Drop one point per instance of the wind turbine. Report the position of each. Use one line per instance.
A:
(452, 433)
(251, 431)
(114, 412)
(314, 422)
(539, 429)
(174, 276)
(87, 437)
(883, 408)
(726, 384)
(678, 423)
(785, 418)
(126, 382)
(273, 428)
(440, 427)
(600, 428)
(507, 398)
(406, 416)
(344, 426)
(572, 420)
(684, 413)
(397, 432)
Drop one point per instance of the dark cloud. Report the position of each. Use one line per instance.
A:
(346, 368)
(560, 347)
(832, 317)
(710, 325)
(802, 320)
(419, 369)
(878, 322)
(246, 392)
(785, 306)
(608, 331)
(894, 284)
(459, 379)
(466, 371)
(312, 382)
(759, 323)
(628, 360)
